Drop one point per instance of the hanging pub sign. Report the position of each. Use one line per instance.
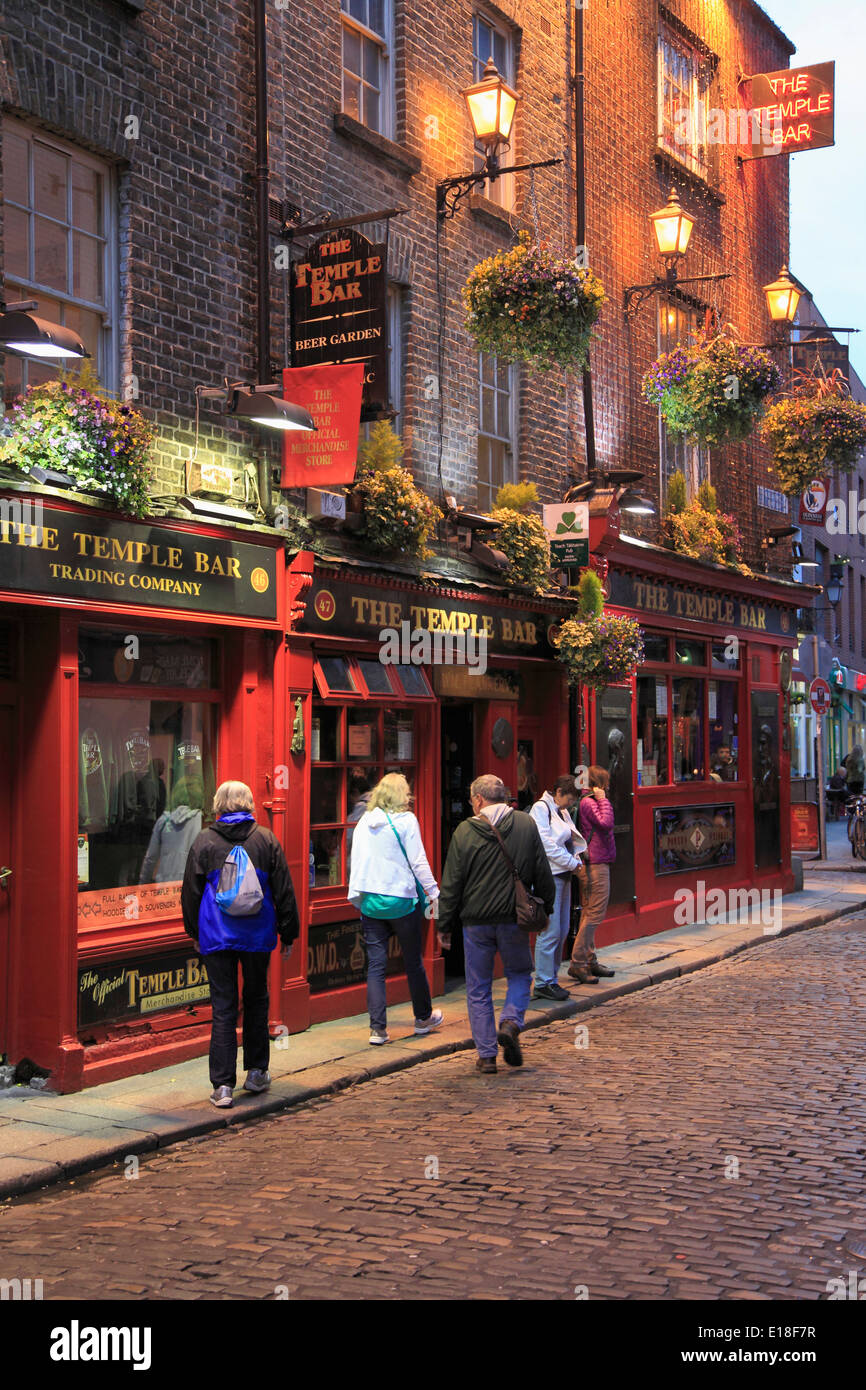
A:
(339, 295)
(813, 503)
(809, 353)
(329, 453)
(567, 527)
(792, 110)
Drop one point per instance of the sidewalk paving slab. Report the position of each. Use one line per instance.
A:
(45, 1138)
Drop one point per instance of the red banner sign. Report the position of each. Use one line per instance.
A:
(813, 503)
(332, 395)
(804, 826)
(793, 110)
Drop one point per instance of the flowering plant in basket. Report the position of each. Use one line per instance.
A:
(714, 391)
(817, 423)
(597, 648)
(534, 305)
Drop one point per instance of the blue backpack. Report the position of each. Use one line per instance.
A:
(239, 892)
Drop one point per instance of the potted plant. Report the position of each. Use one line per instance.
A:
(522, 537)
(597, 648)
(78, 430)
(397, 515)
(712, 392)
(532, 304)
(817, 423)
(698, 529)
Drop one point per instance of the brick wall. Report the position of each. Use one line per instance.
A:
(186, 190)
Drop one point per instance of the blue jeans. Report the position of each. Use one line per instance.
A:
(409, 933)
(549, 943)
(480, 944)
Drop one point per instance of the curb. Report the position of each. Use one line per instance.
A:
(143, 1142)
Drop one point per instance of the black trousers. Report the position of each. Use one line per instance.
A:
(222, 973)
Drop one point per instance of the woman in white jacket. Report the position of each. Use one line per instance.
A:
(563, 845)
(388, 865)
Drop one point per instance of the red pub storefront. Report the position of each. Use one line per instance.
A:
(697, 743)
(142, 663)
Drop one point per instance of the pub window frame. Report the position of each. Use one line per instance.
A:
(707, 673)
(697, 86)
(362, 692)
(383, 44)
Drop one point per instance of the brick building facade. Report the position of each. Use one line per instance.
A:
(163, 96)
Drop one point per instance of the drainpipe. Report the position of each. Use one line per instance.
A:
(580, 177)
(263, 277)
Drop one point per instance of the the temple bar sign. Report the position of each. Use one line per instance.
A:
(793, 110)
(731, 611)
(340, 309)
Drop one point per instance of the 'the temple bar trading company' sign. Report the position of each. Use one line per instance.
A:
(47, 551)
(340, 309)
(794, 108)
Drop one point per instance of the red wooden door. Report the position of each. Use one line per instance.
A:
(6, 883)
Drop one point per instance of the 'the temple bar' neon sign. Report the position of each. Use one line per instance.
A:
(793, 110)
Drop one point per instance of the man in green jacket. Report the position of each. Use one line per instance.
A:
(478, 888)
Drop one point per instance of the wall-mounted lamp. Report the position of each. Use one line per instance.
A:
(491, 104)
(261, 404)
(622, 481)
(836, 582)
(25, 335)
(672, 227)
(783, 296)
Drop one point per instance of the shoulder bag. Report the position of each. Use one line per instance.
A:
(531, 915)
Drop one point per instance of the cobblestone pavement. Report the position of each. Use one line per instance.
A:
(707, 1142)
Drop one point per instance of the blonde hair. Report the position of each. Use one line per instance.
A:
(391, 794)
(232, 796)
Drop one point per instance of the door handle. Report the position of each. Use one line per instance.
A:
(4, 874)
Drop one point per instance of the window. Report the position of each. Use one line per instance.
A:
(59, 246)
(701, 714)
(680, 324)
(652, 731)
(496, 414)
(685, 73)
(724, 733)
(492, 40)
(862, 616)
(688, 730)
(367, 68)
(146, 778)
(852, 616)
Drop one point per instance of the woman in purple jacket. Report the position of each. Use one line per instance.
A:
(595, 819)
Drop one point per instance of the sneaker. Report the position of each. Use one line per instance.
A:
(508, 1038)
(257, 1080)
(553, 991)
(222, 1097)
(377, 1038)
(426, 1025)
(487, 1065)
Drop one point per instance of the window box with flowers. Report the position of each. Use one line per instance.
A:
(698, 529)
(74, 429)
(817, 424)
(532, 304)
(396, 514)
(596, 648)
(713, 392)
(522, 538)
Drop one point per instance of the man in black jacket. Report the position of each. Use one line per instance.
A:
(225, 940)
(478, 887)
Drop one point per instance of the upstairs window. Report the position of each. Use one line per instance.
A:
(367, 66)
(497, 453)
(59, 246)
(678, 323)
(685, 75)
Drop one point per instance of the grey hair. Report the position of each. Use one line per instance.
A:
(490, 787)
(232, 796)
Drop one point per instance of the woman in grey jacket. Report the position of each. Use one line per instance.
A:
(563, 845)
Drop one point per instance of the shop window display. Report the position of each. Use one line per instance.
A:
(688, 748)
(145, 771)
(652, 731)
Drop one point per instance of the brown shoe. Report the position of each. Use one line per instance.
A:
(598, 969)
(583, 974)
(508, 1038)
(487, 1065)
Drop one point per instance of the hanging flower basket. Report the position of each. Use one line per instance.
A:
(532, 304)
(99, 442)
(597, 648)
(817, 424)
(713, 392)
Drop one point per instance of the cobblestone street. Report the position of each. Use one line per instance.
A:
(706, 1142)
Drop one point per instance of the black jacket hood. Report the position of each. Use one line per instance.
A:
(234, 831)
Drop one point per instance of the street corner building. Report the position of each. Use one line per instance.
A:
(256, 219)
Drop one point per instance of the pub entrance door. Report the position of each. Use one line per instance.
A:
(458, 770)
(6, 880)
(613, 751)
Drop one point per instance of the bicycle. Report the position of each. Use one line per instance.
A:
(856, 811)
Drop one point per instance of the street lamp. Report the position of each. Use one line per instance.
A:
(672, 227)
(491, 104)
(783, 297)
(836, 583)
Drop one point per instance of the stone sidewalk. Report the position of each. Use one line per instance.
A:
(46, 1138)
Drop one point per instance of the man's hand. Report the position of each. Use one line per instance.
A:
(444, 940)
